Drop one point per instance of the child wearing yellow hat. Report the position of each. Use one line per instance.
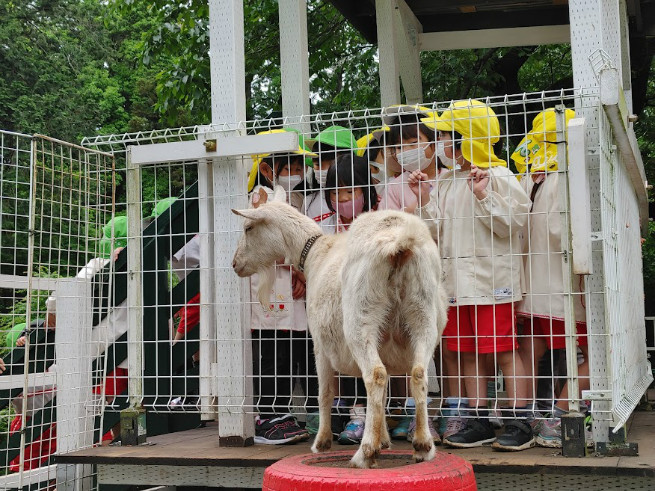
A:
(412, 145)
(375, 149)
(279, 334)
(476, 212)
(543, 306)
(285, 170)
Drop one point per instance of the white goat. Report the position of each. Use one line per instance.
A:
(375, 306)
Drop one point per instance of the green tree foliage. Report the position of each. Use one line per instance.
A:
(343, 66)
(73, 68)
(83, 67)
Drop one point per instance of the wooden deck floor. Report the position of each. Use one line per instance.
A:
(199, 447)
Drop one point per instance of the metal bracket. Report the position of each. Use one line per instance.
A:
(597, 395)
(617, 446)
(573, 437)
(133, 426)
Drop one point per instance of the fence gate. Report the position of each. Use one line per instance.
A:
(55, 198)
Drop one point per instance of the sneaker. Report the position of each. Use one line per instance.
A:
(550, 433)
(494, 418)
(536, 420)
(517, 436)
(433, 431)
(183, 404)
(401, 430)
(312, 423)
(453, 425)
(314, 419)
(340, 417)
(278, 430)
(352, 434)
(475, 433)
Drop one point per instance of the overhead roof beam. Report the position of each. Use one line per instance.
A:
(494, 38)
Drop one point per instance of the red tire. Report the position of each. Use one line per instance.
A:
(308, 472)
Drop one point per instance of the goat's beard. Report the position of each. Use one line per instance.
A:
(266, 280)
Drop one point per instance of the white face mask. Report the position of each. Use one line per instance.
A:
(449, 162)
(321, 177)
(289, 182)
(414, 159)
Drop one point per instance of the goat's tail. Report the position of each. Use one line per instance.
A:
(399, 249)
(393, 237)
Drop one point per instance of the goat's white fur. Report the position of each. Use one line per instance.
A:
(375, 306)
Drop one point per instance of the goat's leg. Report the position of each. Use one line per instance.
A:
(424, 337)
(325, 373)
(375, 379)
(385, 439)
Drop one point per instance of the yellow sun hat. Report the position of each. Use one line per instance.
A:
(257, 158)
(365, 141)
(479, 127)
(538, 150)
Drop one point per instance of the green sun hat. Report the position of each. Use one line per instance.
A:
(13, 334)
(337, 136)
(119, 225)
(162, 205)
(302, 143)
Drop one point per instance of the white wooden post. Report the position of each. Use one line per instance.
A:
(580, 211)
(134, 284)
(595, 25)
(408, 31)
(75, 398)
(207, 313)
(232, 353)
(294, 62)
(388, 52)
(567, 270)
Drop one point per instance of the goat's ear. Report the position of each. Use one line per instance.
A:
(244, 213)
(279, 195)
(252, 214)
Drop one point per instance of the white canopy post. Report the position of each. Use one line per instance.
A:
(408, 32)
(294, 57)
(225, 356)
(388, 53)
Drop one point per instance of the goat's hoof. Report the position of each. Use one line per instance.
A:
(422, 447)
(358, 461)
(321, 445)
(385, 444)
(421, 456)
(370, 451)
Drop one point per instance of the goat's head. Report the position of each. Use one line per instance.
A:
(261, 244)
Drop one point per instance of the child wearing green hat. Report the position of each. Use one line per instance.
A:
(476, 213)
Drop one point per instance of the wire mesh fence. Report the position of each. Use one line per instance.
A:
(507, 259)
(162, 321)
(56, 198)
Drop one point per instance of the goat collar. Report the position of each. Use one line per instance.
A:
(305, 251)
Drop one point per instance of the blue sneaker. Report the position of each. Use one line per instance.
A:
(354, 431)
(401, 430)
